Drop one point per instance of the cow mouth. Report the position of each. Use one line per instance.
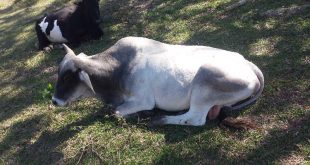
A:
(58, 102)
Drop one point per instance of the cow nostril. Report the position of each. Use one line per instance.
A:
(54, 102)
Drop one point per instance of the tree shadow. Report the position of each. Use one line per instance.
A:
(18, 4)
(44, 150)
(279, 143)
(16, 48)
(20, 134)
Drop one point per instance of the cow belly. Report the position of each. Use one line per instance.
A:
(180, 100)
(171, 95)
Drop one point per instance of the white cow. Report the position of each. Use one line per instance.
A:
(139, 74)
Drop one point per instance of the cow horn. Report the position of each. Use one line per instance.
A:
(68, 50)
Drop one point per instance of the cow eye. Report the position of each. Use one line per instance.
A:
(67, 78)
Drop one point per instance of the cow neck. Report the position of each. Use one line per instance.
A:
(101, 65)
(103, 70)
(108, 71)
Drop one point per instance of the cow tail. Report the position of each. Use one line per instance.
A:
(242, 123)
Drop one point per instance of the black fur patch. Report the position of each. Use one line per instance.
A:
(66, 84)
(50, 26)
(76, 22)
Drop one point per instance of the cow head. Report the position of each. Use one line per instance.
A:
(91, 10)
(73, 82)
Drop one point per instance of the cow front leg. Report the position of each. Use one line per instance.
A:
(197, 113)
(131, 107)
(43, 42)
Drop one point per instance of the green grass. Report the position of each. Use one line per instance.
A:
(33, 132)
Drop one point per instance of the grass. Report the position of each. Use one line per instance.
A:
(33, 132)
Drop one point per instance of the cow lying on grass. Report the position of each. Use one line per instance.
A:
(71, 24)
(139, 74)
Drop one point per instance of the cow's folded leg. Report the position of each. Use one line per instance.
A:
(44, 43)
(48, 48)
(131, 107)
(196, 116)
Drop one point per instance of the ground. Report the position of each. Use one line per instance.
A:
(34, 132)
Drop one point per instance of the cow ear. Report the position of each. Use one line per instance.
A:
(85, 78)
(68, 50)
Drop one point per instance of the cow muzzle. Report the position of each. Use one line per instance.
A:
(58, 102)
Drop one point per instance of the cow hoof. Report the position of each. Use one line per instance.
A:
(48, 49)
(119, 115)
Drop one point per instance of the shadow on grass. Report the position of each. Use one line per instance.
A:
(44, 150)
(20, 40)
(18, 4)
(21, 133)
(279, 144)
(17, 48)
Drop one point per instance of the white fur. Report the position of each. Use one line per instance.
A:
(55, 34)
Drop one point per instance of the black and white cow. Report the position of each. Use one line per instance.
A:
(139, 74)
(71, 24)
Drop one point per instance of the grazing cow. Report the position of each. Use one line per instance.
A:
(71, 24)
(139, 74)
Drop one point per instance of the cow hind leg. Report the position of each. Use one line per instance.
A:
(204, 103)
(196, 116)
(201, 103)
